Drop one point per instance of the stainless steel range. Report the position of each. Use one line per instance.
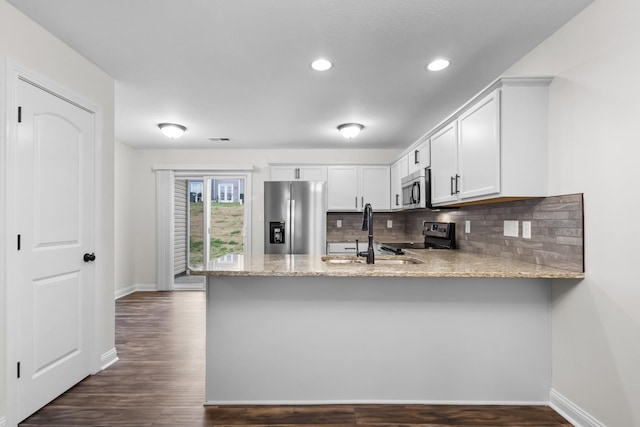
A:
(437, 235)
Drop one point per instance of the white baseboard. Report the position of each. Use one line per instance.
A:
(135, 288)
(108, 359)
(124, 292)
(369, 402)
(152, 288)
(571, 412)
(189, 286)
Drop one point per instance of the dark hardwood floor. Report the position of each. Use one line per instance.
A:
(159, 381)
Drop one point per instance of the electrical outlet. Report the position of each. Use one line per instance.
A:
(467, 226)
(511, 228)
(339, 223)
(526, 229)
(389, 223)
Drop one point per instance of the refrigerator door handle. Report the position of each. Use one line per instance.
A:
(292, 226)
(287, 229)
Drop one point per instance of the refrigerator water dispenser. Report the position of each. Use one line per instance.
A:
(276, 232)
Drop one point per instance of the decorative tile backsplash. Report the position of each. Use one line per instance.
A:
(352, 227)
(557, 229)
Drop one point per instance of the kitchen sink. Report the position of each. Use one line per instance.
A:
(381, 260)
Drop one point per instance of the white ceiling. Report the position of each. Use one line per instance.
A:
(240, 68)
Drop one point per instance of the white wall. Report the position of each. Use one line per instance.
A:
(29, 45)
(143, 182)
(124, 205)
(594, 148)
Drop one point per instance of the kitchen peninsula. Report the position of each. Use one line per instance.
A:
(458, 327)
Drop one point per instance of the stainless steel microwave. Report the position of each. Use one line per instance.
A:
(414, 188)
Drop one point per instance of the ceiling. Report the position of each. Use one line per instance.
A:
(239, 69)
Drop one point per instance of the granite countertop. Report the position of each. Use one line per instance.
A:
(434, 263)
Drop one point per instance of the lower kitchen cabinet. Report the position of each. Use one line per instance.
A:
(343, 248)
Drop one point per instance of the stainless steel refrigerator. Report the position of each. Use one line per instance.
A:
(295, 217)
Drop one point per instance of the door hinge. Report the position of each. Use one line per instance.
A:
(19, 114)
(18, 369)
(18, 242)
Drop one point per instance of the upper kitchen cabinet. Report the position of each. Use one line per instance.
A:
(298, 173)
(350, 187)
(419, 157)
(495, 147)
(444, 167)
(399, 170)
(479, 149)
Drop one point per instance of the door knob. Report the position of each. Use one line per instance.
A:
(89, 257)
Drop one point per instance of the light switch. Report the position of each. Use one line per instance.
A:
(526, 229)
(339, 223)
(511, 228)
(467, 226)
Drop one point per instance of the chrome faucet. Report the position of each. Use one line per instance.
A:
(367, 225)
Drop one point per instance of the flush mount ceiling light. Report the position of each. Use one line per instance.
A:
(172, 130)
(350, 130)
(438, 64)
(321, 65)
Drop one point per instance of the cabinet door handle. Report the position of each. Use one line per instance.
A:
(452, 180)
(457, 181)
(416, 157)
(297, 173)
(397, 200)
(356, 201)
(362, 202)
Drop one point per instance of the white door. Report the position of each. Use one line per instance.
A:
(180, 226)
(225, 193)
(54, 210)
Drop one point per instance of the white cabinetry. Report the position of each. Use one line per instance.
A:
(298, 173)
(495, 146)
(444, 164)
(479, 149)
(419, 157)
(351, 187)
(342, 248)
(399, 170)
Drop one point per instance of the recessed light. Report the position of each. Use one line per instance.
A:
(438, 64)
(321, 65)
